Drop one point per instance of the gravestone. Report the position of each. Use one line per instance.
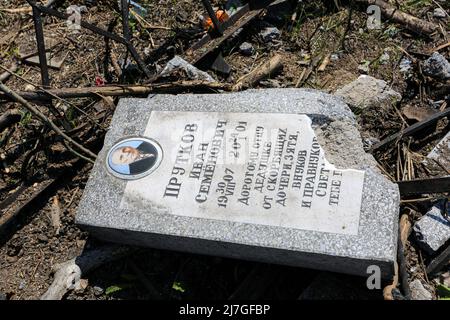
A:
(276, 175)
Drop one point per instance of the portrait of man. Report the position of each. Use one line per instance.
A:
(132, 157)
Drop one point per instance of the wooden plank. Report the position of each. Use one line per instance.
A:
(411, 130)
(424, 186)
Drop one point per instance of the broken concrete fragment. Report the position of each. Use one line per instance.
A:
(418, 291)
(441, 153)
(367, 91)
(433, 230)
(178, 63)
(269, 34)
(437, 66)
(246, 49)
(337, 212)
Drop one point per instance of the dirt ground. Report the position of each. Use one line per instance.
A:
(33, 158)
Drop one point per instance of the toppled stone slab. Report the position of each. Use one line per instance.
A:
(193, 73)
(418, 291)
(433, 230)
(277, 175)
(437, 66)
(367, 91)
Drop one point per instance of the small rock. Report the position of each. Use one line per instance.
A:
(433, 230)
(246, 49)
(22, 284)
(42, 238)
(418, 291)
(405, 65)
(2, 296)
(369, 142)
(439, 13)
(384, 58)
(437, 66)
(97, 290)
(192, 72)
(334, 57)
(269, 34)
(364, 67)
(29, 87)
(367, 91)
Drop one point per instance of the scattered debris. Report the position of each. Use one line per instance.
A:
(178, 63)
(367, 91)
(437, 66)
(433, 230)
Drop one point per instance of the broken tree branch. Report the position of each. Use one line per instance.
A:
(118, 90)
(9, 118)
(17, 98)
(5, 75)
(410, 22)
(261, 72)
(67, 275)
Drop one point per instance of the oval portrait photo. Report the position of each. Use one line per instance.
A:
(133, 158)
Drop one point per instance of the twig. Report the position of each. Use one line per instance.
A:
(14, 96)
(52, 95)
(9, 118)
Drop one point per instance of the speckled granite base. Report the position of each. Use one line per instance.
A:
(335, 127)
(432, 231)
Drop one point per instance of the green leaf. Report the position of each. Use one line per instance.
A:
(178, 287)
(443, 292)
(112, 289)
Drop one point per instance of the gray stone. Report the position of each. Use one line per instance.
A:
(418, 291)
(433, 230)
(52, 62)
(439, 157)
(246, 49)
(117, 210)
(367, 91)
(437, 66)
(269, 34)
(439, 13)
(193, 73)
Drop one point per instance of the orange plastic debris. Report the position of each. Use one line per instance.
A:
(221, 16)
